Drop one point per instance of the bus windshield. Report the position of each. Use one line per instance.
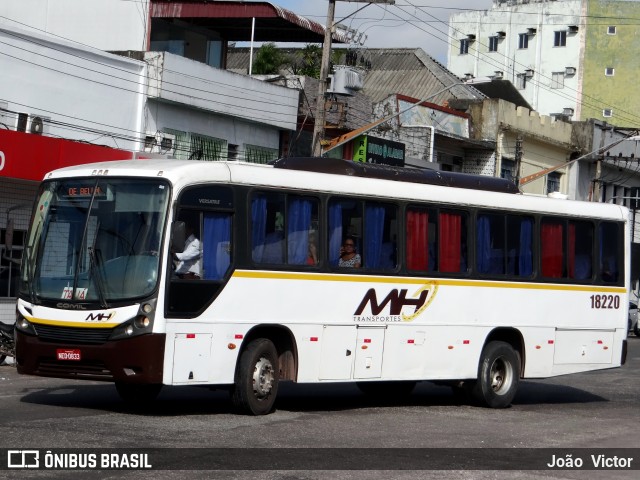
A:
(95, 240)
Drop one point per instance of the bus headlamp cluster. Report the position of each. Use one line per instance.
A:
(24, 325)
(142, 323)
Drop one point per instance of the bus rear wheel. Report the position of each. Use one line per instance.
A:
(498, 376)
(256, 385)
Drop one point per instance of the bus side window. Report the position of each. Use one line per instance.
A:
(267, 228)
(490, 247)
(609, 236)
(452, 242)
(421, 228)
(519, 245)
(216, 245)
(378, 246)
(345, 220)
(301, 236)
(580, 250)
(551, 248)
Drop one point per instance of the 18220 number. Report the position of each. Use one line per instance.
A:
(605, 301)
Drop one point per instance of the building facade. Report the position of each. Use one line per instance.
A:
(573, 59)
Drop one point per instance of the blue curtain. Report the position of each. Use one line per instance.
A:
(298, 226)
(525, 258)
(374, 229)
(258, 226)
(216, 245)
(483, 250)
(335, 232)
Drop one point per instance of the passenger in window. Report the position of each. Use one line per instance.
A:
(349, 258)
(188, 261)
(609, 270)
(312, 258)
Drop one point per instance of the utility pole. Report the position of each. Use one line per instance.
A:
(518, 158)
(320, 116)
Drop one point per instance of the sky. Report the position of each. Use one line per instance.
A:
(406, 24)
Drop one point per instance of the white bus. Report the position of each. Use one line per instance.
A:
(460, 280)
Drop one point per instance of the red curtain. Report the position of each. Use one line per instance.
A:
(450, 242)
(571, 252)
(417, 240)
(551, 250)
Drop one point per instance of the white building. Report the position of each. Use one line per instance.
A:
(535, 44)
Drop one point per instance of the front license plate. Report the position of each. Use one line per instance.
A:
(68, 354)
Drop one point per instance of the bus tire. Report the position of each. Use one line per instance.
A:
(138, 394)
(256, 385)
(2, 359)
(498, 376)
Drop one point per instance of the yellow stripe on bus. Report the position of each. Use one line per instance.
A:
(332, 277)
(65, 323)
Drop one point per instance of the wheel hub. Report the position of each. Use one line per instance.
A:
(263, 377)
(498, 375)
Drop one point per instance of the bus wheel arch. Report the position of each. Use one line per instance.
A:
(285, 344)
(499, 369)
(267, 356)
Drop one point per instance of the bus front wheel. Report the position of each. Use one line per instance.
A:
(256, 384)
(498, 376)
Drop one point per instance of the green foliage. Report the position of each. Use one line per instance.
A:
(268, 60)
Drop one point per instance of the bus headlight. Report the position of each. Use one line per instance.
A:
(142, 321)
(24, 325)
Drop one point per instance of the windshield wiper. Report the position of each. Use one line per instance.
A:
(94, 272)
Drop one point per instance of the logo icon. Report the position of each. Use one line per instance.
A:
(23, 459)
(397, 304)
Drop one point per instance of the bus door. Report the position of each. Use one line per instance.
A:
(369, 349)
(351, 352)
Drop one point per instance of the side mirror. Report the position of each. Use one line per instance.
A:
(178, 235)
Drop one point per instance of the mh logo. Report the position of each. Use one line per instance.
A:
(99, 317)
(396, 301)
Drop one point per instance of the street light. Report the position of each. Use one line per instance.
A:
(318, 126)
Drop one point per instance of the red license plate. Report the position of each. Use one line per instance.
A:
(68, 354)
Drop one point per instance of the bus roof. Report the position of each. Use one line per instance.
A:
(345, 177)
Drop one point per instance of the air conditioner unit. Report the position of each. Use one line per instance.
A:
(528, 73)
(159, 142)
(471, 37)
(570, 71)
(531, 31)
(38, 125)
(498, 75)
(567, 112)
(345, 80)
(501, 34)
(573, 29)
(167, 143)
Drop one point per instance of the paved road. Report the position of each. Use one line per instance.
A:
(593, 410)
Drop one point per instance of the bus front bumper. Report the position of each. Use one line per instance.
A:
(132, 360)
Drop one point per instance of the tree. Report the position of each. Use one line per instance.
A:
(268, 60)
